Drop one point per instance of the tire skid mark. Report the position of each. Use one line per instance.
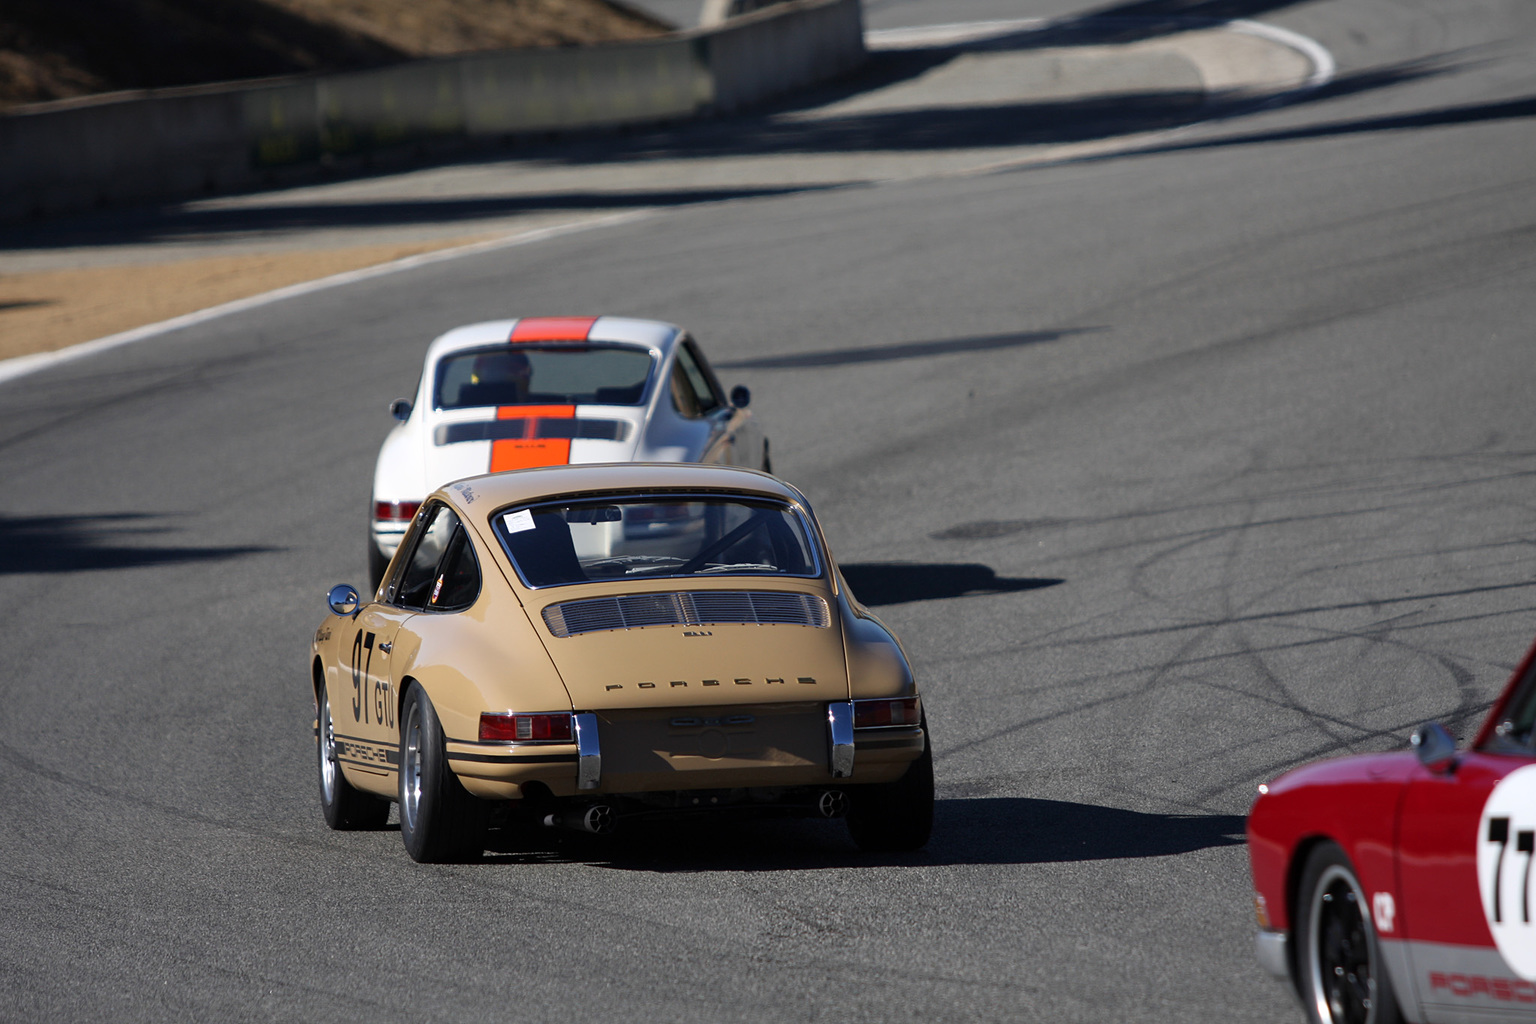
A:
(1010, 653)
(1281, 614)
(21, 762)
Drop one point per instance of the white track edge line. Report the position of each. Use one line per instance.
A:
(1323, 65)
(20, 366)
(1323, 70)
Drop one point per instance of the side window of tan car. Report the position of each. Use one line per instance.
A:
(458, 576)
(694, 392)
(442, 573)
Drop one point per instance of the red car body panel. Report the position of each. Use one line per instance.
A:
(1352, 801)
(1414, 835)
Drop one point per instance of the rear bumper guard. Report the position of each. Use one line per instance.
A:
(589, 753)
(840, 739)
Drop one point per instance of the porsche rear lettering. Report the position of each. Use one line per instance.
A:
(743, 681)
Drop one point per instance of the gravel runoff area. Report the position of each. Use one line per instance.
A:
(74, 280)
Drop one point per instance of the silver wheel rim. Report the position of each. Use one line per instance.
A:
(327, 751)
(410, 768)
(1327, 888)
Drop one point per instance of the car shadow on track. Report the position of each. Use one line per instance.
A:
(884, 583)
(989, 830)
(902, 350)
(54, 544)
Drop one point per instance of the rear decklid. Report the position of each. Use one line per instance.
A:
(693, 644)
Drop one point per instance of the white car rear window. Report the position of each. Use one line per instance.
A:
(525, 374)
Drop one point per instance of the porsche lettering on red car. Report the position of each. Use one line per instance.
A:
(1402, 885)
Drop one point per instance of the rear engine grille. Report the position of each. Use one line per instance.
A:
(683, 608)
(517, 429)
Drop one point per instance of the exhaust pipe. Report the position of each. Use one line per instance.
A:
(833, 803)
(596, 819)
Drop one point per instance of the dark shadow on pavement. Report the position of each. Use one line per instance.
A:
(1470, 114)
(901, 350)
(58, 544)
(882, 583)
(988, 830)
(184, 223)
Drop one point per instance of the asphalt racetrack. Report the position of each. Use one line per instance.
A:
(1174, 467)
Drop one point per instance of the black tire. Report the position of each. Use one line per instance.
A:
(377, 563)
(345, 807)
(1339, 971)
(896, 815)
(439, 820)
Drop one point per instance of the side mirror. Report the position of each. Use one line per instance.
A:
(400, 409)
(740, 396)
(343, 599)
(1435, 746)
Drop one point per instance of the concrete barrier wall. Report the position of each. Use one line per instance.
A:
(780, 48)
(171, 143)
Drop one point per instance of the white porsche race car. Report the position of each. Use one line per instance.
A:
(546, 391)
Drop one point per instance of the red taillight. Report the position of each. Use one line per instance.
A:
(395, 511)
(876, 714)
(554, 728)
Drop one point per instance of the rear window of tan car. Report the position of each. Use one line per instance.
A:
(559, 543)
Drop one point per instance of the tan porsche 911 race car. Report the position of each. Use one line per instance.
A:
(600, 643)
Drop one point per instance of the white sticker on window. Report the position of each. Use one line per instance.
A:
(1505, 848)
(517, 522)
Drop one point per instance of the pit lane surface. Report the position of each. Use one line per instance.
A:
(1173, 469)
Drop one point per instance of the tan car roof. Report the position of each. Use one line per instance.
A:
(481, 494)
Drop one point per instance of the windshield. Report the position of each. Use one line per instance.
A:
(635, 537)
(525, 374)
(1516, 731)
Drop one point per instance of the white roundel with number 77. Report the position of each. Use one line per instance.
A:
(1506, 847)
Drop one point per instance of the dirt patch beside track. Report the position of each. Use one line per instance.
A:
(51, 50)
(52, 309)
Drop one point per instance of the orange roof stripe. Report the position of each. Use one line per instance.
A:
(553, 328)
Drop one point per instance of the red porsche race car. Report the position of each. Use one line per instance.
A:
(1399, 886)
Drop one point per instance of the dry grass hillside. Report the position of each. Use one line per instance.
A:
(51, 49)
